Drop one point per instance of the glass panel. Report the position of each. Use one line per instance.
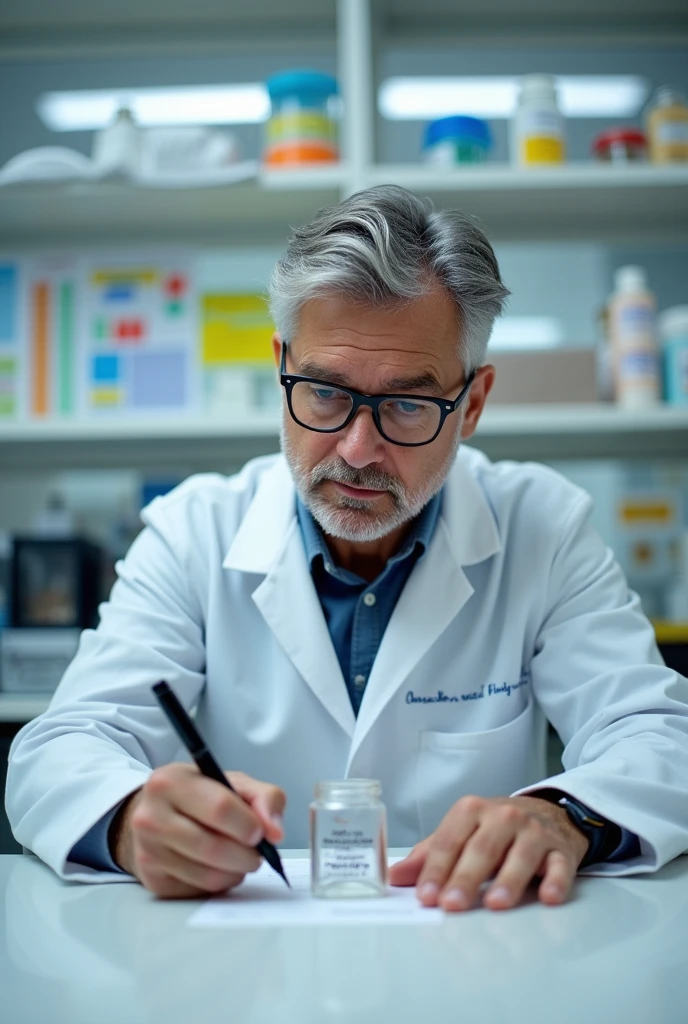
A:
(409, 421)
(319, 406)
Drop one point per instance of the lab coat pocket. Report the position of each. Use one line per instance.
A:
(492, 763)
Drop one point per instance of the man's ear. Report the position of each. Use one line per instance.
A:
(477, 396)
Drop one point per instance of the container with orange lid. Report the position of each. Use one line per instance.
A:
(620, 146)
(301, 129)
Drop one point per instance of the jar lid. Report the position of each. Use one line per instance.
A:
(538, 88)
(313, 84)
(674, 320)
(458, 127)
(629, 136)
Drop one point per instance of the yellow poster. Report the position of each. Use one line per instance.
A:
(236, 329)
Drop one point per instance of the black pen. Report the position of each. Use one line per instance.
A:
(194, 743)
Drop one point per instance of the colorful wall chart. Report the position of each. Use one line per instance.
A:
(140, 325)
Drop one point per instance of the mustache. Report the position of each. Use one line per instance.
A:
(369, 477)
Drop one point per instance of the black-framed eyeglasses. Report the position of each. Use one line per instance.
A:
(407, 420)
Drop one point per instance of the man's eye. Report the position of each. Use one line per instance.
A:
(325, 394)
(408, 408)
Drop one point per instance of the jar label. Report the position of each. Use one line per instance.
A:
(543, 151)
(636, 323)
(348, 844)
(672, 131)
(543, 123)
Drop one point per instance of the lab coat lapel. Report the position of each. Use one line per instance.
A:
(289, 604)
(435, 593)
(269, 541)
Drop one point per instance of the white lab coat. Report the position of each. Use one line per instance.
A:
(516, 612)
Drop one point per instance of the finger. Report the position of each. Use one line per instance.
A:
(266, 800)
(482, 854)
(207, 802)
(167, 886)
(446, 846)
(406, 871)
(559, 876)
(158, 863)
(522, 863)
(209, 848)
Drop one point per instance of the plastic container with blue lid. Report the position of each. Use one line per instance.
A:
(301, 128)
(457, 140)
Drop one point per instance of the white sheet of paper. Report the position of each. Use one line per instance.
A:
(263, 901)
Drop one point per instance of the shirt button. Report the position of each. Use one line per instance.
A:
(359, 682)
(369, 600)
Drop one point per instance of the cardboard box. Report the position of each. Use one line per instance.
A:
(543, 376)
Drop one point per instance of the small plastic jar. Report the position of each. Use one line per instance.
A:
(301, 128)
(620, 146)
(673, 329)
(348, 839)
(456, 140)
(537, 126)
(667, 126)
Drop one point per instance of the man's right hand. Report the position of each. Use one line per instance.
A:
(184, 835)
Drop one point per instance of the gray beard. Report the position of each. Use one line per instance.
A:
(353, 519)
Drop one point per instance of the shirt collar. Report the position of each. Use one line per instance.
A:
(420, 535)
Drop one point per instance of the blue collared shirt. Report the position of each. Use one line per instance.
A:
(357, 612)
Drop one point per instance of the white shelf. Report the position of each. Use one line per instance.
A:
(523, 432)
(72, 212)
(575, 201)
(17, 708)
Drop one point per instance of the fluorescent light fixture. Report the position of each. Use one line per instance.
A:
(425, 98)
(513, 332)
(188, 105)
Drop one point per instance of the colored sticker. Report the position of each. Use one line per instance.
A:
(105, 369)
(8, 303)
(158, 379)
(8, 401)
(236, 329)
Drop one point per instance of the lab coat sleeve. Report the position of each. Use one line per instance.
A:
(620, 712)
(104, 732)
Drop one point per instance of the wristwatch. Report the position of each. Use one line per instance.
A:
(603, 835)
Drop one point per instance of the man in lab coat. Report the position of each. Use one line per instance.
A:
(375, 603)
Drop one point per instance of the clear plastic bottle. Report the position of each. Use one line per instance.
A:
(667, 126)
(537, 127)
(635, 349)
(348, 839)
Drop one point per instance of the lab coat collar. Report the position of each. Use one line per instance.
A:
(269, 542)
(472, 530)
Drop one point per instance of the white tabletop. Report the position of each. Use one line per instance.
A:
(94, 954)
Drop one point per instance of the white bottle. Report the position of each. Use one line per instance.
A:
(633, 331)
(116, 149)
(537, 127)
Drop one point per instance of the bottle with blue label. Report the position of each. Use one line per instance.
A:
(673, 329)
(633, 332)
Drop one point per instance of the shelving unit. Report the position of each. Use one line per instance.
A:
(575, 201)
(530, 432)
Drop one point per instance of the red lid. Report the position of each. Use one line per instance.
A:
(629, 136)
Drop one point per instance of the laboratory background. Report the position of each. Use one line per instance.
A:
(154, 155)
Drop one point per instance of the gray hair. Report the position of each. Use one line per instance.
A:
(385, 245)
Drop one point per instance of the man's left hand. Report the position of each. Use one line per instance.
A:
(515, 838)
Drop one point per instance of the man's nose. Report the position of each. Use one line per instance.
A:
(361, 443)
